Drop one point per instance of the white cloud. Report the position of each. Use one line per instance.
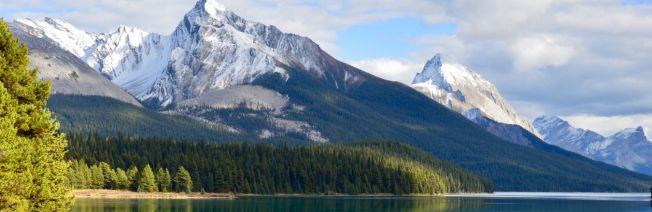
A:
(609, 125)
(390, 69)
(533, 53)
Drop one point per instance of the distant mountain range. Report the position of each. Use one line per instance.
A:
(629, 148)
(466, 92)
(245, 81)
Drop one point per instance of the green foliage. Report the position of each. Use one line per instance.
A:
(342, 168)
(182, 180)
(132, 176)
(122, 179)
(147, 180)
(164, 180)
(33, 173)
(110, 176)
(97, 177)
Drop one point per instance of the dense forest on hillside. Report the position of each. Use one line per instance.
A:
(383, 167)
(110, 117)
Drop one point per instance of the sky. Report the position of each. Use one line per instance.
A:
(588, 61)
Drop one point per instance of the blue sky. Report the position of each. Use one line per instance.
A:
(391, 38)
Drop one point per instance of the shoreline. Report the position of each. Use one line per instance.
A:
(124, 194)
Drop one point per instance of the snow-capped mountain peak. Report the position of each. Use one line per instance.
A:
(632, 134)
(431, 71)
(629, 148)
(212, 48)
(461, 89)
(212, 7)
(547, 122)
(60, 32)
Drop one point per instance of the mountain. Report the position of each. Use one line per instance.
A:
(460, 89)
(477, 99)
(278, 87)
(629, 148)
(65, 71)
(509, 132)
(211, 49)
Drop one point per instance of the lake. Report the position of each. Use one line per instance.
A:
(500, 201)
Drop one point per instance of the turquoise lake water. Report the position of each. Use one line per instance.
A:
(495, 202)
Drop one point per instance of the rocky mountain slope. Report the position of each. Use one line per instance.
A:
(212, 48)
(629, 148)
(466, 92)
(66, 72)
(460, 89)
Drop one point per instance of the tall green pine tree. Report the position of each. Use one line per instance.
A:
(182, 180)
(147, 181)
(32, 167)
(164, 180)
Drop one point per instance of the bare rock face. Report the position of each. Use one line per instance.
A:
(66, 72)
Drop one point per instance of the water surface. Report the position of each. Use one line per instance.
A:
(483, 202)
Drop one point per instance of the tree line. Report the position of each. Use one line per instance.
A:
(375, 167)
(103, 176)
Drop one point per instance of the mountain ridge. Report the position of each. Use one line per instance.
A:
(212, 44)
(461, 89)
(67, 73)
(629, 148)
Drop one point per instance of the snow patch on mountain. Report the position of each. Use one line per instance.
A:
(460, 89)
(212, 48)
(67, 36)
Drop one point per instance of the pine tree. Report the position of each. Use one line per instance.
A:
(132, 175)
(123, 179)
(97, 177)
(147, 181)
(32, 167)
(86, 175)
(110, 177)
(182, 180)
(164, 180)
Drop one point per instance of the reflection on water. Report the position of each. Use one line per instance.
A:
(361, 204)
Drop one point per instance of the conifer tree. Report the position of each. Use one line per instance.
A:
(123, 179)
(164, 180)
(132, 176)
(97, 177)
(87, 175)
(147, 181)
(182, 180)
(110, 177)
(32, 167)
